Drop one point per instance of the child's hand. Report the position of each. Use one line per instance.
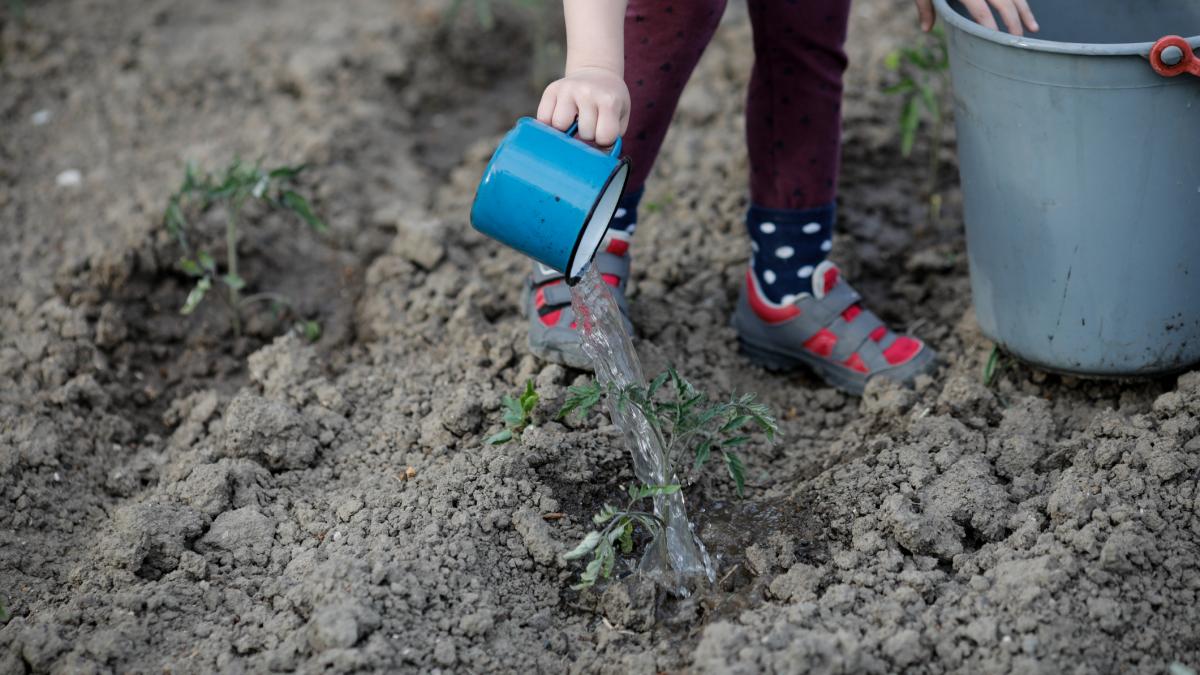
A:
(1014, 12)
(596, 96)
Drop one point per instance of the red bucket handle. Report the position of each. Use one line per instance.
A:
(1173, 56)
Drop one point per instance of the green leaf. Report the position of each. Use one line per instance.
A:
(590, 541)
(608, 558)
(768, 425)
(500, 437)
(703, 451)
(582, 398)
(514, 414)
(652, 525)
(736, 471)
(929, 98)
(627, 537)
(311, 330)
(735, 441)
(587, 578)
(189, 176)
(904, 86)
(529, 399)
(174, 218)
(909, 121)
(892, 60)
(190, 267)
(918, 58)
(292, 200)
(681, 386)
(989, 370)
(692, 402)
(606, 514)
(735, 423)
(719, 410)
(207, 262)
(643, 491)
(285, 173)
(658, 382)
(234, 281)
(197, 295)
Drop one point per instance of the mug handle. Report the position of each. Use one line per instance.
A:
(616, 147)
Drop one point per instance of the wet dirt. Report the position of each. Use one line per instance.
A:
(172, 498)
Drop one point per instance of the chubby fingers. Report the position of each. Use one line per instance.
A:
(588, 113)
(565, 112)
(611, 121)
(545, 111)
(925, 10)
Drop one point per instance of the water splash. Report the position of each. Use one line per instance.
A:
(678, 553)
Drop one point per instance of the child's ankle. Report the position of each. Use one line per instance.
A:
(788, 244)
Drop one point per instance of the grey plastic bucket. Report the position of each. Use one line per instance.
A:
(1080, 170)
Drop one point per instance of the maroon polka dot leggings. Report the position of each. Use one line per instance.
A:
(794, 105)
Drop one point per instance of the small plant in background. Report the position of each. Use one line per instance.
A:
(990, 368)
(518, 412)
(654, 206)
(547, 52)
(924, 72)
(238, 185)
(691, 428)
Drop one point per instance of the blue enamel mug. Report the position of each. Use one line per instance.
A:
(549, 195)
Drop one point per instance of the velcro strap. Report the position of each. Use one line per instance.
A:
(616, 265)
(556, 295)
(872, 357)
(839, 298)
(852, 335)
(811, 319)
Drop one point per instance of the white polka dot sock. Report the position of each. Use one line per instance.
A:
(786, 246)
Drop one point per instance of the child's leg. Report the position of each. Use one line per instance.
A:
(663, 42)
(793, 130)
(795, 308)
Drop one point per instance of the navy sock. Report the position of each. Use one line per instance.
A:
(625, 219)
(788, 245)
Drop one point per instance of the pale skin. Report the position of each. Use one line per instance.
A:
(593, 89)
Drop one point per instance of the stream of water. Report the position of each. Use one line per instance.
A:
(678, 553)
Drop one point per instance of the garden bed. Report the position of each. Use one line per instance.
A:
(176, 499)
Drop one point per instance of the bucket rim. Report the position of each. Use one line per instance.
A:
(966, 25)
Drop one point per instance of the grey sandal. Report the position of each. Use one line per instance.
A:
(552, 332)
(830, 332)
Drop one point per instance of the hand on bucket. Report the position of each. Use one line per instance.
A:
(599, 99)
(1016, 14)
